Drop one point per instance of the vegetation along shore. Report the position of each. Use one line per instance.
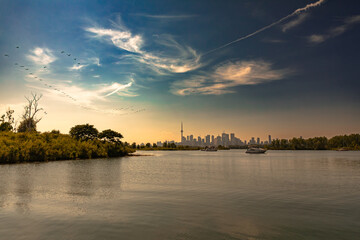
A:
(24, 143)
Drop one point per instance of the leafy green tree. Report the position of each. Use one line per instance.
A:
(154, 145)
(165, 145)
(84, 132)
(110, 136)
(133, 145)
(7, 121)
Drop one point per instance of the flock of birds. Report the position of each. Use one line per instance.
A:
(118, 111)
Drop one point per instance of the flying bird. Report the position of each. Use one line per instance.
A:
(79, 63)
(26, 69)
(15, 63)
(74, 59)
(22, 66)
(44, 66)
(62, 51)
(17, 46)
(68, 55)
(6, 55)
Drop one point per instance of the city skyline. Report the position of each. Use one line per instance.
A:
(224, 139)
(247, 67)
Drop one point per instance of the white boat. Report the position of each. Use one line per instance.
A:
(255, 150)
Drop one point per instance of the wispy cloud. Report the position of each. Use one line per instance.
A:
(336, 31)
(229, 75)
(165, 17)
(295, 13)
(297, 21)
(95, 61)
(186, 58)
(41, 56)
(92, 96)
(121, 39)
(77, 67)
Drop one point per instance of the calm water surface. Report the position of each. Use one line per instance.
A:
(185, 195)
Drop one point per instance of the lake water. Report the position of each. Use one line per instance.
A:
(185, 195)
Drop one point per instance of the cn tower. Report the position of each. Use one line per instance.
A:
(182, 132)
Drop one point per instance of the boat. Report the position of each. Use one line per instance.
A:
(209, 149)
(255, 150)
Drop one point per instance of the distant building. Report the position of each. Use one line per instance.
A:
(258, 141)
(225, 139)
(182, 133)
(269, 139)
(218, 141)
(232, 139)
(207, 140)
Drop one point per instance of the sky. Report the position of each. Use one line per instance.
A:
(250, 67)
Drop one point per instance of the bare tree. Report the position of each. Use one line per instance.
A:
(30, 116)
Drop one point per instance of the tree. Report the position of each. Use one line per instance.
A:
(133, 145)
(7, 121)
(154, 145)
(27, 125)
(110, 136)
(84, 132)
(148, 145)
(29, 117)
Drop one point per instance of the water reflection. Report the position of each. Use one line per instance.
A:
(24, 188)
(185, 195)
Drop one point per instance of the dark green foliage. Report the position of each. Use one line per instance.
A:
(350, 142)
(27, 125)
(5, 127)
(84, 132)
(110, 136)
(7, 121)
(33, 146)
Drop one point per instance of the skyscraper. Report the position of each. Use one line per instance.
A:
(232, 138)
(225, 139)
(182, 133)
(269, 139)
(207, 140)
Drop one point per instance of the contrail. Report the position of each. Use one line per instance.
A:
(296, 12)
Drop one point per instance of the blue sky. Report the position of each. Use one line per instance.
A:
(141, 67)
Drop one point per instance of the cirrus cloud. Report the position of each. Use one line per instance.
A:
(227, 76)
(41, 56)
